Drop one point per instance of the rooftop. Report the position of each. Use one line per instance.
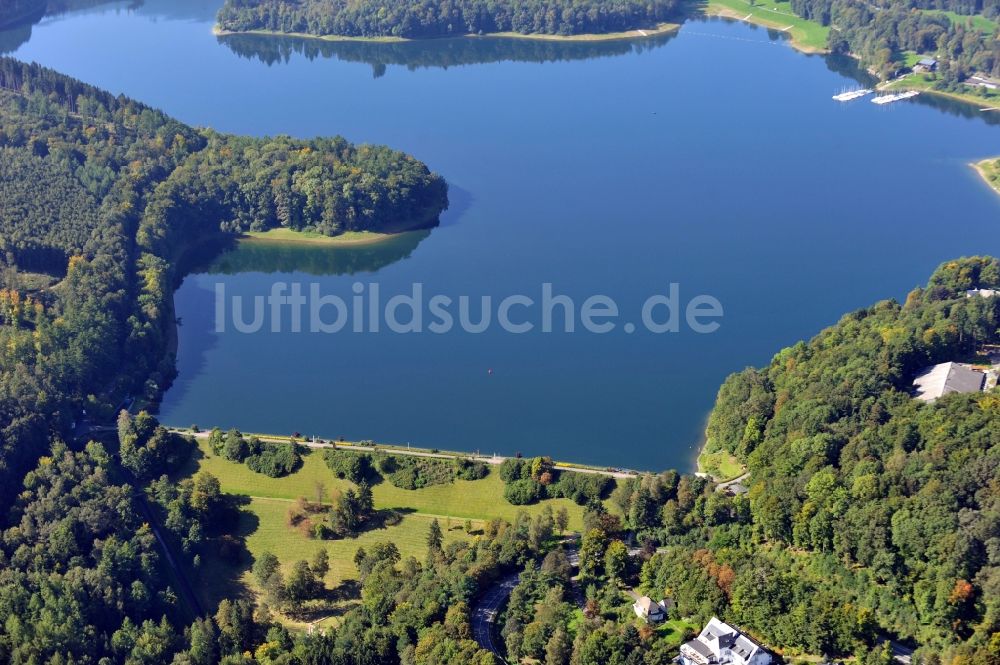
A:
(945, 379)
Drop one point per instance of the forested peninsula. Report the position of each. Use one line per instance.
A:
(100, 198)
(419, 19)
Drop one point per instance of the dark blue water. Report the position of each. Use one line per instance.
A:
(715, 160)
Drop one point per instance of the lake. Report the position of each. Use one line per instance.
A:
(713, 159)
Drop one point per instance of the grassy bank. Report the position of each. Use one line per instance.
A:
(720, 465)
(313, 238)
(263, 525)
(989, 169)
(806, 36)
(461, 499)
(659, 29)
(978, 97)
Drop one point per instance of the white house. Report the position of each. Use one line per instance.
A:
(645, 608)
(721, 644)
(945, 379)
(982, 293)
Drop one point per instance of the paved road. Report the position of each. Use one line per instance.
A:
(721, 487)
(484, 615)
(186, 591)
(572, 548)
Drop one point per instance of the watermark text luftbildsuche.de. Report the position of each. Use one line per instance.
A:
(303, 307)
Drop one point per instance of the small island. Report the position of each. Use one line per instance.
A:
(401, 19)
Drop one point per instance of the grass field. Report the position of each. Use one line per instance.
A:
(720, 465)
(262, 522)
(659, 29)
(805, 35)
(989, 169)
(977, 22)
(676, 629)
(314, 238)
(263, 527)
(460, 500)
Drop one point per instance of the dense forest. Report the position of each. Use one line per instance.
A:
(103, 195)
(106, 194)
(862, 498)
(410, 19)
(880, 32)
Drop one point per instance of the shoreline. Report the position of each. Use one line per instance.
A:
(983, 168)
(290, 237)
(638, 33)
(717, 10)
(924, 86)
(413, 451)
(713, 9)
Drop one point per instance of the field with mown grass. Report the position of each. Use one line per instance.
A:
(805, 35)
(976, 21)
(264, 528)
(720, 465)
(263, 523)
(461, 499)
(312, 237)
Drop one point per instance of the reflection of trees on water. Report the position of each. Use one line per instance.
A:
(444, 53)
(12, 39)
(847, 66)
(960, 108)
(270, 257)
(17, 17)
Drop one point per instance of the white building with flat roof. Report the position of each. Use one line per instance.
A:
(721, 644)
(947, 378)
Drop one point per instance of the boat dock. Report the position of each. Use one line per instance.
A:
(851, 95)
(889, 99)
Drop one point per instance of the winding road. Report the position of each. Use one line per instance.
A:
(484, 614)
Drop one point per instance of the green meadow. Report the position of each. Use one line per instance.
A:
(263, 527)
(461, 499)
(806, 35)
(974, 21)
